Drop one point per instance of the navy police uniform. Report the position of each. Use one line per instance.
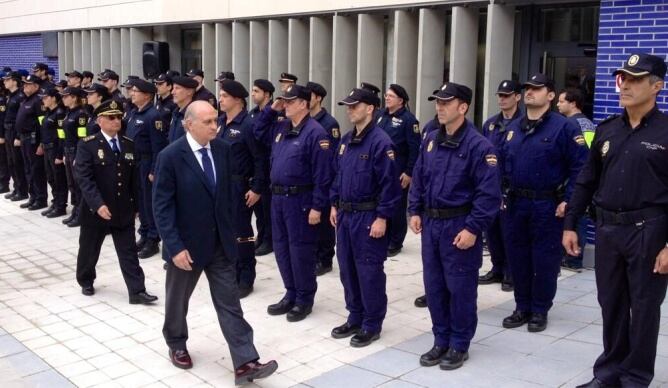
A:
(74, 127)
(4, 168)
(14, 157)
(50, 129)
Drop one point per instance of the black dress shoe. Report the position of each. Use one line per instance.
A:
(345, 330)
(507, 284)
(140, 243)
(27, 204)
(282, 307)
(421, 301)
(322, 269)
(299, 312)
(180, 358)
(88, 291)
(47, 211)
(453, 359)
(596, 383)
(74, 223)
(68, 219)
(56, 213)
(244, 291)
(10, 195)
(254, 370)
(363, 338)
(490, 277)
(149, 249)
(263, 249)
(433, 356)
(142, 298)
(517, 319)
(38, 206)
(393, 251)
(19, 197)
(538, 322)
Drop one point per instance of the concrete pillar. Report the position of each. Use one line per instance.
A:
(76, 50)
(320, 52)
(370, 49)
(85, 50)
(137, 38)
(115, 45)
(298, 33)
(241, 52)
(344, 62)
(278, 49)
(209, 56)
(223, 47)
(498, 53)
(105, 49)
(62, 54)
(126, 68)
(405, 51)
(430, 66)
(259, 36)
(464, 49)
(69, 55)
(95, 51)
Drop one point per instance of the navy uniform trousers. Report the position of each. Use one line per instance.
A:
(243, 229)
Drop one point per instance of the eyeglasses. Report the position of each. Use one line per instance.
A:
(114, 117)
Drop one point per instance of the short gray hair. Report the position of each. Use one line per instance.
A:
(654, 79)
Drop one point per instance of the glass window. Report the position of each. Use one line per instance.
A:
(191, 53)
(576, 24)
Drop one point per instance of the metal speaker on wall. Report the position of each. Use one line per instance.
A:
(155, 58)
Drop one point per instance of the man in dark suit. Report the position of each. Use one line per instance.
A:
(192, 200)
(107, 174)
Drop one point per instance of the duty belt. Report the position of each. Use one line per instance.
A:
(290, 190)
(628, 217)
(357, 206)
(535, 194)
(448, 213)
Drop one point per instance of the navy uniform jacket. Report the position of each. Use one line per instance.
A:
(148, 131)
(366, 171)
(92, 127)
(495, 130)
(74, 126)
(13, 102)
(166, 107)
(626, 169)
(299, 156)
(543, 157)
(249, 157)
(457, 171)
(188, 214)
(404, 130)
(27, 122)
(431, 126)
(331, 126)
(176, 129)
(106, 179)
(3, 109)
(203, 94)
(52, 123)
(117, 96)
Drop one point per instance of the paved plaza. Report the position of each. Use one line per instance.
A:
(52, 336)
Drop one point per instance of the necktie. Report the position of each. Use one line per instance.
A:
(208, 167)
(114, 147)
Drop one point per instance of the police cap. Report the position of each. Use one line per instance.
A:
(40, 66)
(452, 90)
(360, 95)
(195, 72)
(109, 108)
(539, 80)
(186, 82)
(73, 91)
(143, 86)
(234, 88)
(507, 87)
(107, 74)
(99, 89)
(296, 91)
(74, 73)
(639, 65)
(399, 91)
(223, 75)
(316, 88)
(264, 84)
(87, 74)
(287, 77)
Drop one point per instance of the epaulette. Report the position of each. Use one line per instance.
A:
(128, 139)
(610, 118)
(88, 138)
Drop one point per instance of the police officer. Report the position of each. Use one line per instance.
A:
(625, 181)
(74, 79)
(28, 120)
(286, 80)
(61, 85)
(326, 233)
(109, 78)
(201, 92)
(41, 71)
(148, 131)
(454, 197)
(223, 75)
(87, 79)
(50, 130)
(301, 174)
(182, 91)
(107, 173)
(262, 95)
(508, 97)
(128, 105)
(4, 168)
(250, 162)
(164, 101)
(542, 155)
(404, 130)
(96, 94)
(74, 129)
(364, 195)
(12, 81)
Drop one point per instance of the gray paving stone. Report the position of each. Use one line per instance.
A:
(545, 371)
(571, 351)
(588, 300)
(26, 363)
(389, 362)
(462, 377)
(483, 331)
(661, 369)
(398, 384)
(565, 295)
(591, 333)
(575, 313)
(347, 376)
(577, 284)
(522, 342)
(9, 345)
(662, 346)
(560, 328)
(48, 379)
(417, 345)
(492, 316)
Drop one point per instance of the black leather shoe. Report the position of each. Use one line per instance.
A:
(393, 251)
(19, 197)
(244, 291)
(26, 205)
(47, 211)
(74, 223)
(322, 269)
(299, 312)
(10, 195)
(254, 370)
(421, 301)
(433, 356)
(88, 291)
(68, 219)
(507, 284)
(363, 338)
(453, 359)
(142, 298)
(596, 383)
(538, 322)
(263, 249)
(517, 319)
(149, 249)
(345, 330)
(282, 307)
(38, 206)
(140, 243)
(180, 358)
(490, 277)
(56, 213)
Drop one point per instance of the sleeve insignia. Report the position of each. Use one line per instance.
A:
(342, 149)
(60, 123)
(430, 146)
(509, 136)
(88, 138)
(324, 144)
(491, 160)
(491, 127)
(336, 133)
(605, 148)
(158, 125)
(416, 128)
(390, 154)
(82, 121)
(580, 140)
(278, 138)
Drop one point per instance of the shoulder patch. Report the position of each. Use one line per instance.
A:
(88, 138)
(342, 149)
(416, 128)
(278, 138)
(2, 108)
(430, 146)
(390, 154)
(82, 121)
(324, 144)
(336, 133)
(128, 139)
(580, 140)
(491, 160)
(509, 136)
(608, 119)
(158, 125)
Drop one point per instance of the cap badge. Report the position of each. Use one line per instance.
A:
(113, 105)
(505, 84)
(444, 86)
(633, 60)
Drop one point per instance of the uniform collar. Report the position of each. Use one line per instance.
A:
(452, 141)
(294, 131)
(238, 118)
(644, 121)
(398, 113)
(358, 138)
(320, 114)
(500, 118)
(528, 127)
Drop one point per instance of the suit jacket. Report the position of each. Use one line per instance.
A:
(105, 179)
(188, 214)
